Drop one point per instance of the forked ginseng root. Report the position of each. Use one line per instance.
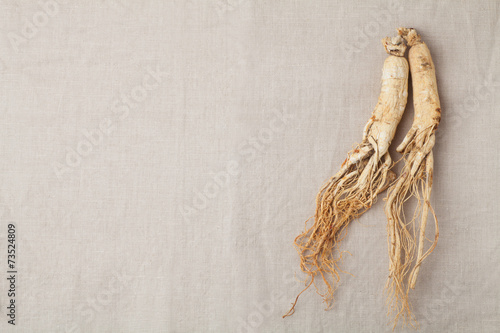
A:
(405, 253)
(364, 174)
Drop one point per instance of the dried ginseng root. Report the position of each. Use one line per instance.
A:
(364, 174)
(405, 252)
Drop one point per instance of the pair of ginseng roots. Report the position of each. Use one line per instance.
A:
(367, 172)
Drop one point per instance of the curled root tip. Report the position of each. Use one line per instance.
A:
(290, 312)
(292, 309)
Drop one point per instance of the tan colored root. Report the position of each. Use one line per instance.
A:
(423, 223)
(340, 201)
(415, 181)
(354, 188)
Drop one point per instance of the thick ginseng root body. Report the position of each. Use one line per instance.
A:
(406, 250)
(364, 174)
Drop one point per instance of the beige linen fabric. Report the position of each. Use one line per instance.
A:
(159, 157)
